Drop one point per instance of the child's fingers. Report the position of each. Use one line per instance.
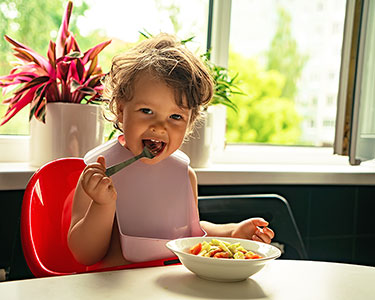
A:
(104, 191)
(93, 168)
(92, 175)
(96, 167)
(89, 173)
(264, 237)
(259, 222)
(101, 161)
(256, 238)
(92, 181)
(98, 185)
(269, 232)
(104, 184)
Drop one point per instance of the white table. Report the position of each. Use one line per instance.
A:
(280, 279)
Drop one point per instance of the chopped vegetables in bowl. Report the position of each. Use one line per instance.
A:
(222, 249)
(198, 255)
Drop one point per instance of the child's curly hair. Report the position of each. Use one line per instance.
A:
(167, 59)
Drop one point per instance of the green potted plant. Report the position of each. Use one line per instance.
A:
(209, 135)
(54, 86)
(225, 85)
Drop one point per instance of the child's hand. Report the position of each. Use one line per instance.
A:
(98, 185)
(254, 229)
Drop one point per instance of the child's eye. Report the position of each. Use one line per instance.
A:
(146, 111)
(176, 117)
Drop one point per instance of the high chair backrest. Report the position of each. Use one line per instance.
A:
(45, 221)
(45, 218)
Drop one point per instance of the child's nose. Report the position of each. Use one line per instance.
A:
(158, 127)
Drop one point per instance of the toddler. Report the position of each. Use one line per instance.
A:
(157, 91)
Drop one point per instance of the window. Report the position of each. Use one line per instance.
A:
(355, 132)
(276, 49)
(328, 123)
(331, 100)
(274, 45)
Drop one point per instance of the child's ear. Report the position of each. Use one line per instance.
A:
(120, 111)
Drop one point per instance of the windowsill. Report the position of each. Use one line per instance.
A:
(237, 164)
(224, 174)
(14, 176)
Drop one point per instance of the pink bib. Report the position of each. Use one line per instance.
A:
(155, 203)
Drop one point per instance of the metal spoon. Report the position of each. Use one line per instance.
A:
(115, 168)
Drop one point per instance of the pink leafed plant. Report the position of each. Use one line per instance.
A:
(66, 75)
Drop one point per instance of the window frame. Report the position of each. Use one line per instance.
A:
(16, 148)
(351, 101)
(261, 154)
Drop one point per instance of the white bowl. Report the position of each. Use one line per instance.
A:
(221, 269)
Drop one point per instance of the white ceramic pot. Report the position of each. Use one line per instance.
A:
(206, 138)
(70, 131)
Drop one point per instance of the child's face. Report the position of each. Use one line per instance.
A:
(153, 117)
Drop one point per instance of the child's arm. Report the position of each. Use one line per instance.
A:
(93, 212)
(253, 229)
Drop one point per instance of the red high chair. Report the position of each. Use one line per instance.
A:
(45, 220)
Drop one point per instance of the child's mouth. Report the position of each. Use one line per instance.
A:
(155, 146)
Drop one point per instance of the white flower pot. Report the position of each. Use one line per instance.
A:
(207, 138)
(70, 131)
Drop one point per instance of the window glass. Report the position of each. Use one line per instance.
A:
(92, 22)
(18, 125)
(365, 90)
(287, 55)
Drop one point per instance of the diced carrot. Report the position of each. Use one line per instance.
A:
(252, 256)
(221, 255)
(213, 252)
(196, 249)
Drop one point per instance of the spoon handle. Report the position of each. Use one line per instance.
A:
(114, 169)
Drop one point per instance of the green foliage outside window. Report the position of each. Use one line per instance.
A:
(267, 114)
(264, 116)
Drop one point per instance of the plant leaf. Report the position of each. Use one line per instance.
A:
(75, 54)
(94, 81)
(66, 95)
(28, 54)
(51, 53)
(37, 107)
(145, 34)
(183, 42)
(87, 90)
(62, 70)
(92, 67)
(36, 81)
(71, 44)
(73, 72)
(63, 31)
(80, 69)
(16, 78)
(15, 43)
(75, 85)
(21, 103)
(94, 51)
